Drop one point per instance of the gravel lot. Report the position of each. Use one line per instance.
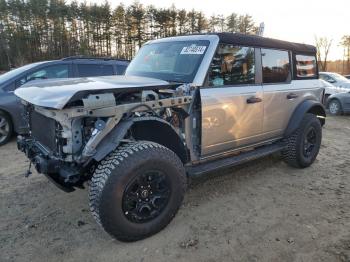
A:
(261, 211)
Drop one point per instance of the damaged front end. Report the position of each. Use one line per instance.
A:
(46, 148)
(66, 144)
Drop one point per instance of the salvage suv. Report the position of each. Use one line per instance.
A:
(186, 106)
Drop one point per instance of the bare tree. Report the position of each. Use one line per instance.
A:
(323, 45)
(345, 42)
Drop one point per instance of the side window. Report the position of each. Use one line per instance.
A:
(9, 88)
(232, 65)
(306, 66)
(276, 66)
(121, 69)
(57, 71)
(86, 70)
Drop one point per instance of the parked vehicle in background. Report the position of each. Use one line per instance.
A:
(70, 67)
(339, 103)
(331, 90)
(335, 79)
(187, 105)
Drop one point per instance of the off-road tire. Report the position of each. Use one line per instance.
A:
(9, 135)
(112, 177)
(293, 153)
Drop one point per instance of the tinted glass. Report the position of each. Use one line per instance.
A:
(86, 70)
(306, 66)
(15, 72)
(276, 67)
(121, 69)
(56, 71)
(171, 61)
(232, 65)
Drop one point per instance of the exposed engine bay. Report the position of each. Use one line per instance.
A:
(88, 129)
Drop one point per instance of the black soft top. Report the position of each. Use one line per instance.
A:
(259, 41)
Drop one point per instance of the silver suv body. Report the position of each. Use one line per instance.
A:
(186, 106)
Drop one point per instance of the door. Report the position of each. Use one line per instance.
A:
(232, 103)
(279, 97)
(282, 94)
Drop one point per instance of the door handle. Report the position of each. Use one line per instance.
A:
(253, 100)
(292, 96)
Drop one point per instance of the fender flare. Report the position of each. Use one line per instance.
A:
(114, 138)
(307, 106)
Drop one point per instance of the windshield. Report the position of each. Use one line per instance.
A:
(339, 77)
(17, 71)
(169, 61)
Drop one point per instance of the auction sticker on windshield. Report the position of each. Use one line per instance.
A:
(193, 50)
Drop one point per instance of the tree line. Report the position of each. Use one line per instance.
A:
(34, 30)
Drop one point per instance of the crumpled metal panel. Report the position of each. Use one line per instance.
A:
(56, 93)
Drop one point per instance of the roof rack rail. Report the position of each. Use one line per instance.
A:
(91, 58)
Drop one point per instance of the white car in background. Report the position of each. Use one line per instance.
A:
(334, 83)
(335, 79)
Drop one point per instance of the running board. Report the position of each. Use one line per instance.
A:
(222, 163)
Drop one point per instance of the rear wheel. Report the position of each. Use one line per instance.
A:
(6, 128)
(137, 190)
(303, 145)
(335, 107)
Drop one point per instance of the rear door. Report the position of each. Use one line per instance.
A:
(283, 92)
(280, 99)
(232, 102)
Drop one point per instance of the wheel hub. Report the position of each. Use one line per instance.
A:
(310, 142)
(333, 108)
(144, 193)
(146, 196)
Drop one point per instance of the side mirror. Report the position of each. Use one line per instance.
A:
(332, 81)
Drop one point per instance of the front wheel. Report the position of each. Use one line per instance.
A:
(137, 190)
(303, 145)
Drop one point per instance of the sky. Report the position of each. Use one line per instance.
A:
(293, 20)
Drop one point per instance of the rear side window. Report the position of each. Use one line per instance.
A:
(86, 70)
(276, 66)
(121, 69)
(306, 66)
(232, 65)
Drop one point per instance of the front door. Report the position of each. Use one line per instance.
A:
(232, 104)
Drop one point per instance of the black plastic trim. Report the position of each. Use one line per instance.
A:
(299, 113)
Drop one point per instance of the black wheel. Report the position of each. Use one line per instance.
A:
(335, 107)
(303, 145)
(137, 190)
(6, 128)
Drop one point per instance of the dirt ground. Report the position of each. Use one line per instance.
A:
(261, 211)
